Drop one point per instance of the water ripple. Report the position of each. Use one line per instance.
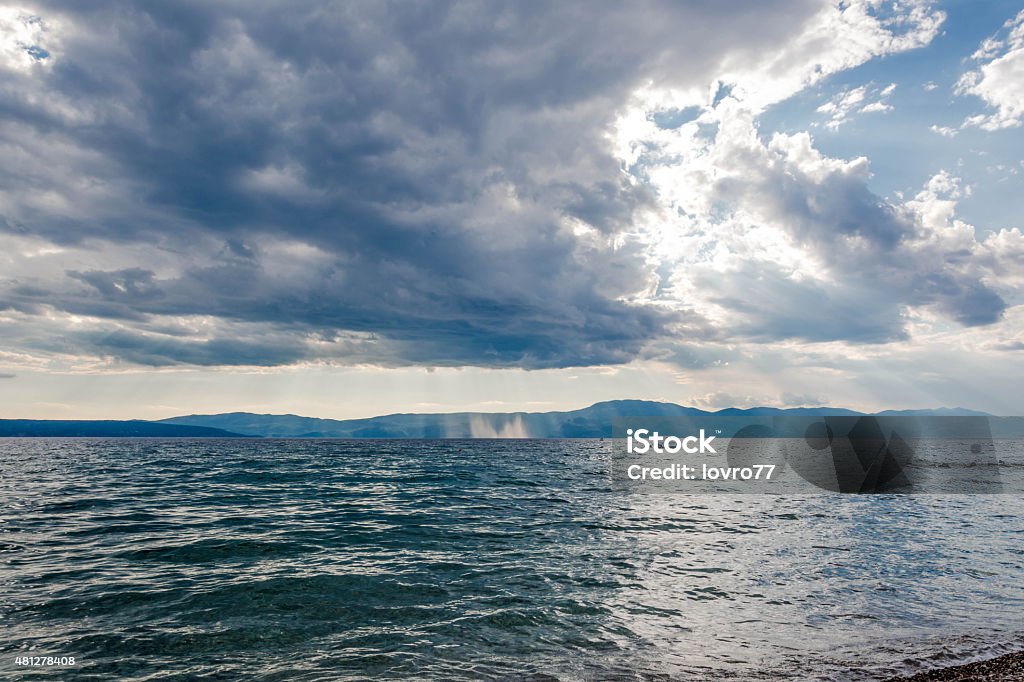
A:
(325, 560)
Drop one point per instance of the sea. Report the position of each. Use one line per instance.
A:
(504, 559)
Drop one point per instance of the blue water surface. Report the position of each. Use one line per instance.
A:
(487, 559)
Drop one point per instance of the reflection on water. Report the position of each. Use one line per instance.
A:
(282, 560)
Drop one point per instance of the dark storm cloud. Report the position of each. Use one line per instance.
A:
(428, 153)
(437, 323)
(398, 183)
(163, 350)
(132, 283)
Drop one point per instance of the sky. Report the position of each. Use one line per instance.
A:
(358, 208)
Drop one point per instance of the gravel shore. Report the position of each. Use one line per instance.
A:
(1008, 668)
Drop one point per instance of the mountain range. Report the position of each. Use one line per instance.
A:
(590, 422)
(106, 428)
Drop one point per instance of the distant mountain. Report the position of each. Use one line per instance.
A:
(54, 428)
(938, 412)
(590, 422)
(792, 411)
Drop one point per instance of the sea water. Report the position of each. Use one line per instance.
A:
(485, 559)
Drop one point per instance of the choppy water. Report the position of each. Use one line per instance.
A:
(325, 560)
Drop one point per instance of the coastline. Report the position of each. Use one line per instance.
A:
(1005, 668)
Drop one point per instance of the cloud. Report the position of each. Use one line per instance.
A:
(853, 100)
(437, 177)
(132, 283)
(219, 184)
(840, 106)
(783, 242)
(999, 78)
(717, 400)
(788, 399)
(23, 40)
(5, 375)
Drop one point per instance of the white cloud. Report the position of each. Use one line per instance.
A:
(945, 131)
(876, 107)
(837, 38)
(25, 40)
(840, 106)
(773, 240)
(853, 101)
(999, 78)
